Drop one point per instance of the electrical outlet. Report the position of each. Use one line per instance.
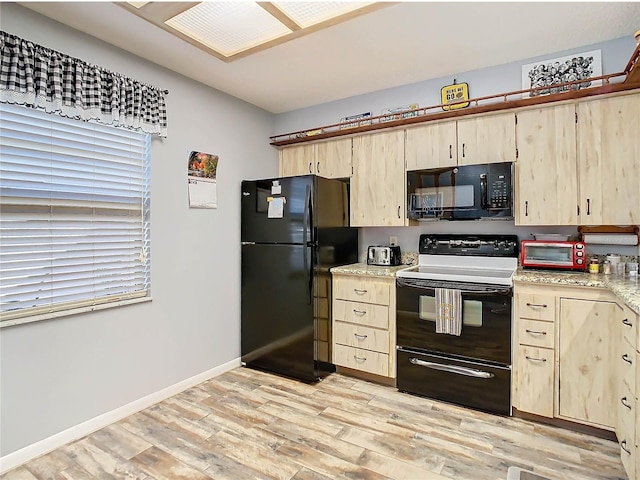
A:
(393, 240)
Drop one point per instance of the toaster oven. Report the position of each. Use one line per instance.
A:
(565, 255)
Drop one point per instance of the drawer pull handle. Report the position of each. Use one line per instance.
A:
(359, 336)
(625, 402)
(534, 359)
(359, 312)
(359, 292)
(359, 359)
(541, 305)
(535, 332)
(623, 445)
(626, 358)
(627, 322)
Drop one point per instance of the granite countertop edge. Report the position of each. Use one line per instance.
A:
(368, 270)
(625, 288)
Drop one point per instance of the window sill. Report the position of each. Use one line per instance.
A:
(71, 311)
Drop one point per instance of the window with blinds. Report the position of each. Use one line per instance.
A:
(74, 217)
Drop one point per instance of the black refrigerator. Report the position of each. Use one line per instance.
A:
(293, 230)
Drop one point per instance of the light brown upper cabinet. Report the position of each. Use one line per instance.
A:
(297, 160)
(546, 184)
(471, 141)
(609, 160)
(378, 181)
(330, 159)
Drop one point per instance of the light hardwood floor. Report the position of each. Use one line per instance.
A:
(247, 424)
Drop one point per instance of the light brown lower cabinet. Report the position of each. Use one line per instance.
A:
(575, 358)
(364, 324)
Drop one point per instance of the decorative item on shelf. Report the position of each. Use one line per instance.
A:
(570, 68)
(397, 113)
(609, 235)
(353, 121)
(453, 96)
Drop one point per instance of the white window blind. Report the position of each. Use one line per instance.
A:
(74, 218)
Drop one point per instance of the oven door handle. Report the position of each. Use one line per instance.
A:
(469, 372)
(504, 290)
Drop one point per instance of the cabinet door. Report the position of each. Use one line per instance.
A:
(587, 362)
(546, 170)
(378, 181)
(431, 146)
(490, 139)
(297, 160)
(333, 158)
(608, 154)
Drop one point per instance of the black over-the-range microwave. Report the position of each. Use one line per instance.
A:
(466, 192)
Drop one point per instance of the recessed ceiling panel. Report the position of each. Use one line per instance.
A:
(228, 27)
(306, 14)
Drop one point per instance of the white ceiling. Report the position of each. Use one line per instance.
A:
(400, 44)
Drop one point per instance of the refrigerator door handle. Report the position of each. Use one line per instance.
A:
(305, 240)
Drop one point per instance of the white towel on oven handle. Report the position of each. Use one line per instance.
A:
(448, 311)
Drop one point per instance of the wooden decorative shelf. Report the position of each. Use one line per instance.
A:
(491, 103)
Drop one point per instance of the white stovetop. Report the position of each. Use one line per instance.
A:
(491, 270)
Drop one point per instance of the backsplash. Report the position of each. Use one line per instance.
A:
(408, 236)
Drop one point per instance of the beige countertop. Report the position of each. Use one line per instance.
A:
(369, 270)
(626, 288)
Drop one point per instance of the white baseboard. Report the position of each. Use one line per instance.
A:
(49, 444)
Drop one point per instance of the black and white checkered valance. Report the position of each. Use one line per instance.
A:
(39, 77)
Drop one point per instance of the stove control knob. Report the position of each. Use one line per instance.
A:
(579, 261)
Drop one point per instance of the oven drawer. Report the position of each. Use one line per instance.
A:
(362, 289)
(359, 359)
(361, 337)
(361, 313)
(472, 384)
(536, 307)
(535, 333)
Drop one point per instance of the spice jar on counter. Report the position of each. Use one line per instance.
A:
(606, 267)
(594, 265)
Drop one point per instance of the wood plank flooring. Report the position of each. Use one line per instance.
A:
(247, 424)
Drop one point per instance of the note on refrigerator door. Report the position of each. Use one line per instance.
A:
(276, 207)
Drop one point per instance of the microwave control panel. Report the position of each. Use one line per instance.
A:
(499, 193)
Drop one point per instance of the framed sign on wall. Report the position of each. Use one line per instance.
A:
(454, 96)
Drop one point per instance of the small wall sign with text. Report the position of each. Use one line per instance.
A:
(452, 94)
(397, 113)
(353, 121)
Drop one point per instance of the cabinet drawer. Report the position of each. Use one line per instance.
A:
(536, 307)
(535, 333)
(362, 289)
(626, 365)
(533, 380)
(361, 313)
(625, 431)
(361, 337)
(359, 359)
(629, 326)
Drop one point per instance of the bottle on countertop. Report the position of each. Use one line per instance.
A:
(594, 265)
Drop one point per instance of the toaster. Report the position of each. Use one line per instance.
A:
(383, 255)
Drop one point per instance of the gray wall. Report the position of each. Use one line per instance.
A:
(488, 81)
(58, 373)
